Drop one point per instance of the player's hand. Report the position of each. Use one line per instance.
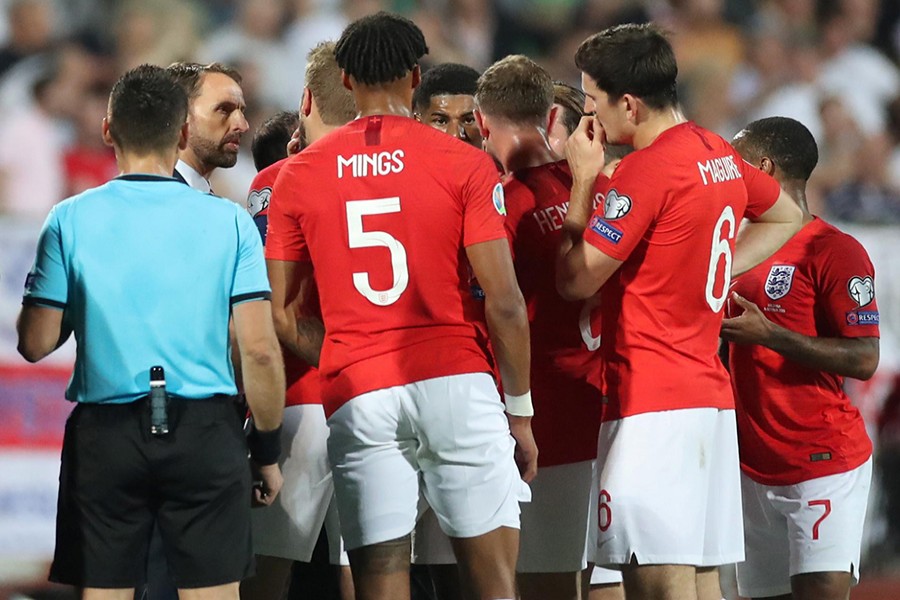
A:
(295, 143)
(526, 453)
(267, 483)
(584, 149)
(751, 327)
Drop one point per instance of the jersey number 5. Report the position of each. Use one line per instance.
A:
(358, 238)
(721, 248)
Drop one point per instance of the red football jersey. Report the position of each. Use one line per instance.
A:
(565, 369)
(794, 422)
(385, 207)
(671, 214)
(302, 379)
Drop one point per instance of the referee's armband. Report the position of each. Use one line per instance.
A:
(265, 446)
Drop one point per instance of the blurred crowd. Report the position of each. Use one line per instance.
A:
(832, 64)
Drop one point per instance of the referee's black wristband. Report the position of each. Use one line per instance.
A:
(265, 446)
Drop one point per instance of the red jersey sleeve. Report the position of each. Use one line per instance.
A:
(762, 190)
(483, 204)
(284, 236)
(846, 280)
(630, 206)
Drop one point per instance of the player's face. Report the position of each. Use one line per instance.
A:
(454, 115)
(610, 116)
(217, 121)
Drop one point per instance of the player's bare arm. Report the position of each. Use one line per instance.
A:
(581, 269)
(849, 357)
(41, 331)
(263, 376)
(507, 320)
(301, 334)
(760, 238)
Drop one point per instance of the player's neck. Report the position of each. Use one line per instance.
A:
(385, 100)
(150, 164)
(653, 123)
(797, 191)
(520, 148)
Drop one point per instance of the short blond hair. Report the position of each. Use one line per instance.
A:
(323, 80)
(516, 89)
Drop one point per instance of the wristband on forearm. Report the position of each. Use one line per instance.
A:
(519, 406)
(265, 446)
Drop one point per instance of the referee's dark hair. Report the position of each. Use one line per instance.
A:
(786, 142)
(271, 138)
(147, 110)
(380, 48)
(447, 79)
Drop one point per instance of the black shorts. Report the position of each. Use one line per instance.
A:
(116, 479)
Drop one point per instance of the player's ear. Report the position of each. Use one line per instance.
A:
(104, 132)
(306, 102)
(552, 116)
(345, 79)
(183, 139)
(767, 165)
(631, 107)
(416, 76)
(482, 124)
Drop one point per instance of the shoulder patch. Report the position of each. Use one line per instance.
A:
(258, 200)
(616, 205)
(605, 230)
(862, 290)
(499, 199)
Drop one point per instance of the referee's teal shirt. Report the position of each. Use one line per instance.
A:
(147, 270)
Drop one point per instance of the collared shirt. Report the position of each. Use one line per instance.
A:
(192, 177)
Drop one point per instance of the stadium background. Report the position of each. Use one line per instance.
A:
(832, 64)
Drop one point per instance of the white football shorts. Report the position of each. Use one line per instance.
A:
(669, 489)
(453, 431)
(810, 527)
(559, 525)
(290, 527)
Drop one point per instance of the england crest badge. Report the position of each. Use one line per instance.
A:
(779, 281)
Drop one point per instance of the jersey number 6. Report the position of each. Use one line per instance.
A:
(721, 248)
(356, 210)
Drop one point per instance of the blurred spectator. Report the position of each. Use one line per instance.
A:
(31, 27)
(88, 162)
(846, 27)
(312, 24)
(839, 143)
(31, 177)
(157, 32)
(868, 197)
(255, 40)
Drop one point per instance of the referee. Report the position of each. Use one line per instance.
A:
(146, 271)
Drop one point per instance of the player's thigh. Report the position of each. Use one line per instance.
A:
(430, 545)
(668, 483)
(825, 521)
(204, 483)
(290, 527)
(557, 523)
(372, 450)
(466, 455)
(104, 513)
(765, 571)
